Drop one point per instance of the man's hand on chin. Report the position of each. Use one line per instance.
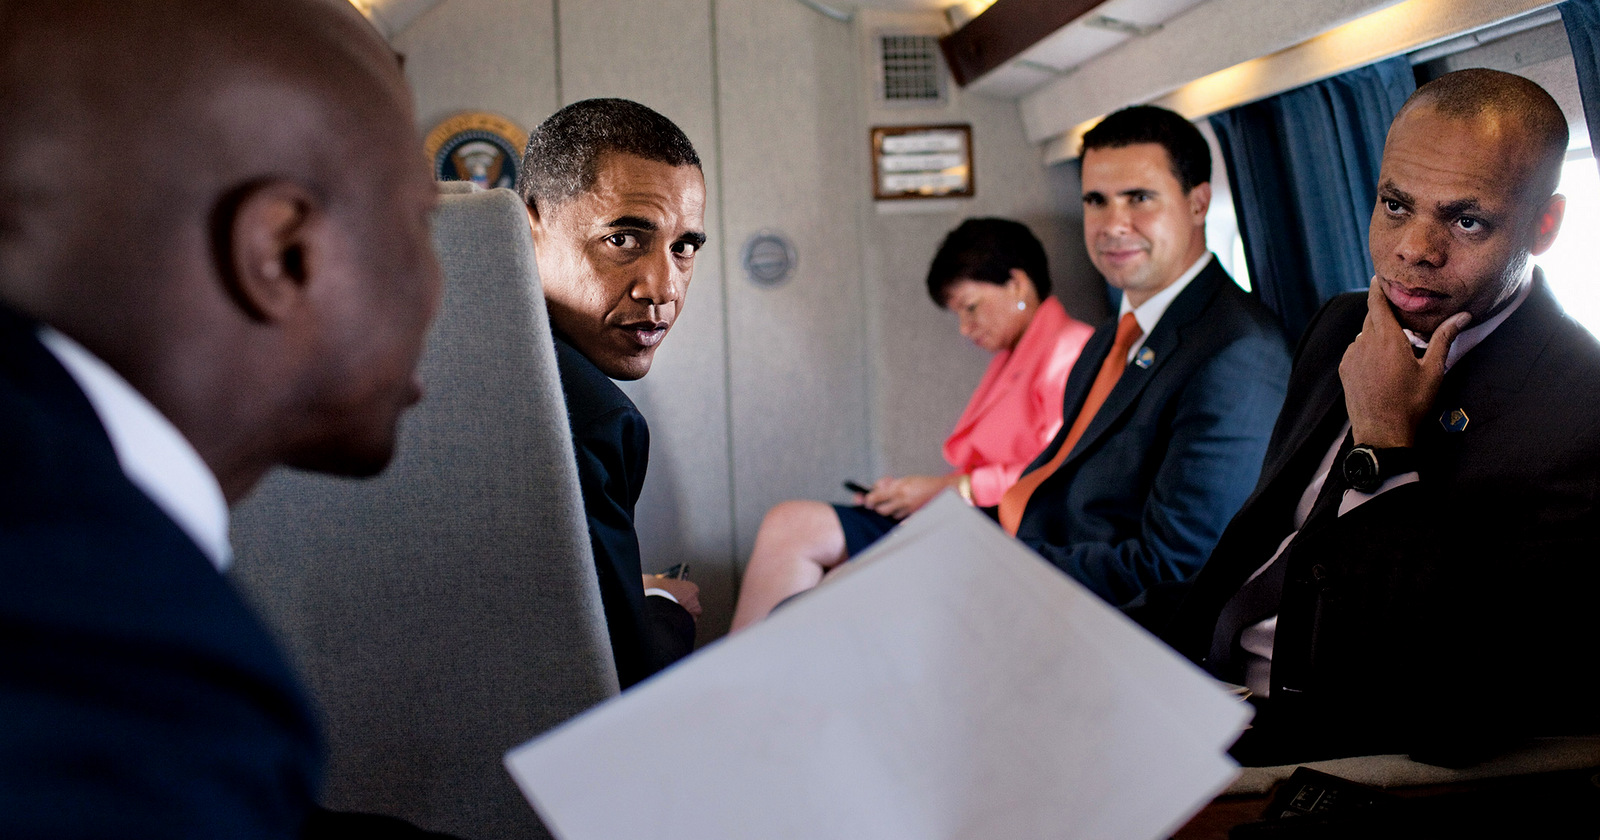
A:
(1387, 389)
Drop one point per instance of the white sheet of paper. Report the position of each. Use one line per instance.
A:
(951, 685)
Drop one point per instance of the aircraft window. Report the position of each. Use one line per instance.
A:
(1222, 232)
(1241, 272)
(1569, 264)
(1222, 222)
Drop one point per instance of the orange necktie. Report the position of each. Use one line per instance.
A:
(1016, 499)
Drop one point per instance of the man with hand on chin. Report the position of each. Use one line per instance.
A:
(616, 203)
(1414, 571)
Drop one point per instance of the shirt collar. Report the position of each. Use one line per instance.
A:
(1474, 335)
(153, 453)
(1149, 313)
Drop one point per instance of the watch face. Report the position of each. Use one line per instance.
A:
(1361, 469)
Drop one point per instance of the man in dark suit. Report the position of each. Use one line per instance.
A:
(1415, 571)
(213, 259)
(1169, 407)
(616, 202)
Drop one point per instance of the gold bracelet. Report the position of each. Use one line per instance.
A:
(964, 487)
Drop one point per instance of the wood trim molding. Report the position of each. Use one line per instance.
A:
(1004, 31)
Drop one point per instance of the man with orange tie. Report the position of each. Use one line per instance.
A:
(1169, 406)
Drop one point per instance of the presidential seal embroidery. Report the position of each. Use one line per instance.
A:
(477, 146)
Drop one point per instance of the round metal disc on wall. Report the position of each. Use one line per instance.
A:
(769, 258)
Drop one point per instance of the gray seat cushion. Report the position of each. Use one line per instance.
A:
(447, 610)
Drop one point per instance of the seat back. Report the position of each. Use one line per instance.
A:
(448, 609)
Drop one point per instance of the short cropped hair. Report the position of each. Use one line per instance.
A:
(1186, 147)
(986, 250)
(564, 152)
(1479, 92)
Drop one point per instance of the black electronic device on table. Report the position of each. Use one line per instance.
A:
(1303, 805)
(1311, 805)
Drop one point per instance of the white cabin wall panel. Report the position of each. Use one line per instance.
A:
(660, 54)
(794, 157)
(482, 55)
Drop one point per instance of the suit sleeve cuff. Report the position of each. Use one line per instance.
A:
(662, 593)
(1355, 498)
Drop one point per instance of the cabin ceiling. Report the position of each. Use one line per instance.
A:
(1055, 51)
(393, 16)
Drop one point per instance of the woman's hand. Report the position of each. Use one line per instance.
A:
(898, 498)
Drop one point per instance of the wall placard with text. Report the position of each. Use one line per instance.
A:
(922, 161)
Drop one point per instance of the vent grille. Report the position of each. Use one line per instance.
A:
(913, 70)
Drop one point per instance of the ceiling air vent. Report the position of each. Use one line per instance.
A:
(912, 70)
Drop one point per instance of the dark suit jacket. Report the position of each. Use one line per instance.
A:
(613, 450)
(139, 698)
(1174, 450)
(1451, 613)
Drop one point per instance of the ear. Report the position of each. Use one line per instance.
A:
(534, 225)
(1548, 224)
(1018, 281)
(270, 237)
(1200, 202)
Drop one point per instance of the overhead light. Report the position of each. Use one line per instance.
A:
(960, 13)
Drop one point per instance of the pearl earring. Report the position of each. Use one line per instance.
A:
(1021, 306)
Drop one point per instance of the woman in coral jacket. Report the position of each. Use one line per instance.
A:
(993, 275)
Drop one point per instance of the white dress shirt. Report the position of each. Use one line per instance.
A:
(153, 453)
(1149, 313)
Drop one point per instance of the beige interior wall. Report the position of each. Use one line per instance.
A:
(793, 164)
(763, 394)
(924, 371)
(482, 55)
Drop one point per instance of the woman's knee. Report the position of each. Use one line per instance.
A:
(805, 528)
(799, 515)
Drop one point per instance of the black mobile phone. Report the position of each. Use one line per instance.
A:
(1312, 804)
(857, 487)
(678, 571)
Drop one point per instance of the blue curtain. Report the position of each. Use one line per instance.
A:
(1304, 170)
(1582, 19)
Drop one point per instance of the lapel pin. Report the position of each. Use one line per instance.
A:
(1454, 420)
(1145, 358)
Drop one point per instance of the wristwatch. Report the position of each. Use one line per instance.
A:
(1366, 467)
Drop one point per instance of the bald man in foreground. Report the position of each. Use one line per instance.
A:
(214, 259)
(1417, 567)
